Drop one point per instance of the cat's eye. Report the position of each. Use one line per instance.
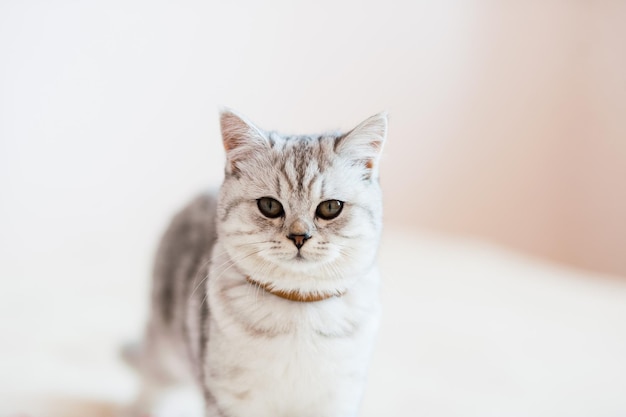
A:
(329, 209)
(269, 207)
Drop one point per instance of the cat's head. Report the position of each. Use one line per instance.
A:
(301, 213)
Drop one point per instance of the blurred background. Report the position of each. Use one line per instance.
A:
(507, 129)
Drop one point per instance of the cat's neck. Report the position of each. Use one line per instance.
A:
(295, 295)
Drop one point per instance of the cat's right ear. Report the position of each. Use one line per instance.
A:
(241, 139)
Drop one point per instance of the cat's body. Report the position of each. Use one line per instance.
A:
(267, 294)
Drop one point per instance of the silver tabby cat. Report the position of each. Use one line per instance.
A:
(266, 295)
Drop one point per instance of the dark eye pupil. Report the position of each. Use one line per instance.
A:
(329, 209)
(269, 207)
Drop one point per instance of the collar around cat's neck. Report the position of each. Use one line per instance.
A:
(294, 295)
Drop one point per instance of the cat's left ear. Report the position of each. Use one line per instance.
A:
(364, 143)
(241, 138)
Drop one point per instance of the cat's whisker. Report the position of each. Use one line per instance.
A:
(238, 258)
(198, 286)
(232, 263)
(264, 270)
(225, 252)
(219, 266)
(259, 271)
(251, 243)
(201, 268)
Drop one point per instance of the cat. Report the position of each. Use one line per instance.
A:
(266, 294)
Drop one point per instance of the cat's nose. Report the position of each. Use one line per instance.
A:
(298, 240)
(299, 232)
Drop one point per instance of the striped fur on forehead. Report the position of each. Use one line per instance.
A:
(305, 157)
(290, 164)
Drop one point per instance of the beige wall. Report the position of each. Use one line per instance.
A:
(531, 150)
(508, 119)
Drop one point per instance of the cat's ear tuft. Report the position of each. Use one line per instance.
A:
(364, 143)
(241, 138)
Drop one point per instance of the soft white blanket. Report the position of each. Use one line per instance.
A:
(469, 329)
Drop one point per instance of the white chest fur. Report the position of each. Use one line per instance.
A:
(267, 356)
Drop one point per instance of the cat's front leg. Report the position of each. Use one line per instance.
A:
(211, 407)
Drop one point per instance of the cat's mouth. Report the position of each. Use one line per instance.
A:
(298, 257)
(304, 259)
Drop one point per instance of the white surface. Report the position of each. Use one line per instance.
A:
(468, 330)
